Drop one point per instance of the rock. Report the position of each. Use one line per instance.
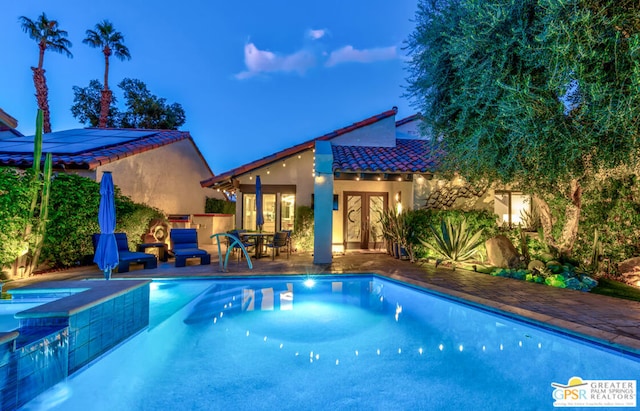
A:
(501, 252)
(536, 265)
(630, 271)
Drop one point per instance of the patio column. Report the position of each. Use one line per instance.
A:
(323, 203)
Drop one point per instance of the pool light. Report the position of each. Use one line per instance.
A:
(309, 282)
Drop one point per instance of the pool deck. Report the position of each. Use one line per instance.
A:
(603, 319)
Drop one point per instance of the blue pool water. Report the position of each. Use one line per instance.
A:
(345, 342)
(8, 309)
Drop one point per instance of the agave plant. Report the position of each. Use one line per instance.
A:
(454, 243)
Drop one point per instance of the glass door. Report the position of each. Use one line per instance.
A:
(363, 219)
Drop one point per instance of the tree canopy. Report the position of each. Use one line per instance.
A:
(490, 78)
(143, 109)
(540, 94)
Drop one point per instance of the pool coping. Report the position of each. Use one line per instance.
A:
(89, 293)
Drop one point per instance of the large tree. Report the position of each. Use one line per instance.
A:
(49, 37)
(105, 37)
(537, 94)
(143, 109)
(87, 105)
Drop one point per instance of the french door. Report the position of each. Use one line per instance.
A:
(363, 219)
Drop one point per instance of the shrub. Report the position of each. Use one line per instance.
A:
(15, 198)
(218, 206)
(133, 219)
(73, 218)
(302, 236)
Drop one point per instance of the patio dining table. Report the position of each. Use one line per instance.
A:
(259, 241)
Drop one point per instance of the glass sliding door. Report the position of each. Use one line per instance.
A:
(249, 211)
(287, 211)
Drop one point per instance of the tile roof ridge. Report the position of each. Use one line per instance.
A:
(413, 117)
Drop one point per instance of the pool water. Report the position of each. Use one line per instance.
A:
(345, 342)
(8, 309)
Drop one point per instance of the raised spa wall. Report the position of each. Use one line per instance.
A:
(58, 338)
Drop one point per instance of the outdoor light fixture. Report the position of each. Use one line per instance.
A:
(379, 178)
(399, 178)
(284, 164)
(299, 156)
(268, 171)
(250, 176)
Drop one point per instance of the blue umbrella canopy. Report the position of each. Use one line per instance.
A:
(259, 213)
(107, 250)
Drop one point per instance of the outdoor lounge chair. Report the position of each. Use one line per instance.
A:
(127, 257)
(184, 244)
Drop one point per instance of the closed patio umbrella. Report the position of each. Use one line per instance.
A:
(107, 250)
(259, 214)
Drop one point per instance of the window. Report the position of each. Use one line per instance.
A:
(278, 215)
(510, 206)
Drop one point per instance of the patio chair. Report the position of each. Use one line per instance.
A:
(127, 257)
(280, 240)
(236, 247)
(184, 244)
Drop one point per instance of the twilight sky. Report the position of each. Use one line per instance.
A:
(253, 76)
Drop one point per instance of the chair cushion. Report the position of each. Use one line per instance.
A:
(134, 256)
(189, 252)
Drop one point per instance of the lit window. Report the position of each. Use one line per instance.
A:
(512, 207)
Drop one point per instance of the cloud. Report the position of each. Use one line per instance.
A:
(262, 61)
(348, 54)
(316, 34)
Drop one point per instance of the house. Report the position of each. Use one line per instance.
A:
(160, 168)
(8, 126)
(351, 176)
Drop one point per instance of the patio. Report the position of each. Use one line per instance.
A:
(591, 316)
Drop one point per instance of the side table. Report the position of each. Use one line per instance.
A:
(163, 251)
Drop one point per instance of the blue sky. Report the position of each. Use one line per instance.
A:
(254, 76)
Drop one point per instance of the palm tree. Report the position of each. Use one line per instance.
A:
(110, 41)
(49, 37)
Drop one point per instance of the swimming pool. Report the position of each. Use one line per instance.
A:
(339, 342)
(8, 309)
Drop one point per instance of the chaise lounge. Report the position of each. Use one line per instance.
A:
(127, 257)
(184, 244)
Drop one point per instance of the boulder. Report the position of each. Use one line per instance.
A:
(630, 271)
(501, 252)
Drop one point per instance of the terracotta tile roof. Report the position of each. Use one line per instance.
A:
(94, 150)
(280, 155)
(407, 156)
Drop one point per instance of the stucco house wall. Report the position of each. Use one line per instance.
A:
(167, 178)
(296, 170)
(379, 134)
